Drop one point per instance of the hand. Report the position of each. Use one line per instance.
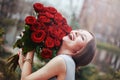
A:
(21, 59)
(30, 55)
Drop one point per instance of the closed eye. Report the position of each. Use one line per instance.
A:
(82, 37)
(77, 34)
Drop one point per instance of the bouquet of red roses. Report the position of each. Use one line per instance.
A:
(43, 32)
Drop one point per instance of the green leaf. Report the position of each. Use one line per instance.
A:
(26, 27)
(27, 49)
(18, 43)
(37, 49)
(54, 52)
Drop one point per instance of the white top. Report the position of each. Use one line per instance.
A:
(70, 66)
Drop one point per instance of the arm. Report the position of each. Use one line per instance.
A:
(27, 66)
(51, 69)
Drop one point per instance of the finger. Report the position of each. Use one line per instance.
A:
(21, 59)
(21, 56)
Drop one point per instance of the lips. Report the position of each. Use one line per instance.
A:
(71, 36)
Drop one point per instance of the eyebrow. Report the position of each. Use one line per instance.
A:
(91, 34)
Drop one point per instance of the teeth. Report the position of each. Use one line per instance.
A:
(70, 36)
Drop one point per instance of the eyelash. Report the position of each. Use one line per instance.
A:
(81, 36)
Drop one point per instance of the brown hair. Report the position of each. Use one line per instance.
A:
(85, 56)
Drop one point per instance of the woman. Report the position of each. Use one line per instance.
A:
(77, 49)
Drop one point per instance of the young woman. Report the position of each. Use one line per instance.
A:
(77, 49)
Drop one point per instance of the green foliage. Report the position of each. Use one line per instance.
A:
(117, 75)
(1, 31)
(87, 73)
(28, 45)
(108, 47)
(91, 72)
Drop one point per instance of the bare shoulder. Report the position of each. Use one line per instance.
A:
(56, 67)
(58, 62)
(59, 67)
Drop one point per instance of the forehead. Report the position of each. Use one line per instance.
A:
(87, 34)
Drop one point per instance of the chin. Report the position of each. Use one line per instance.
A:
(65, 38)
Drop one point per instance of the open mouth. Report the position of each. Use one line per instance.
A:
(71, 36)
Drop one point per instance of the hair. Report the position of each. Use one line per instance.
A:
(85, 56)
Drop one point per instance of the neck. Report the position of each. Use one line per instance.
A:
(64, 51)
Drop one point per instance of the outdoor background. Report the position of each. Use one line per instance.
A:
(102, 17)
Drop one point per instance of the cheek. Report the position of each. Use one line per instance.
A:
(80, 42)
(80, 45)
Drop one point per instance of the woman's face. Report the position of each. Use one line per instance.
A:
(76, 40)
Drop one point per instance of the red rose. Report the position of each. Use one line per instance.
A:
(38, 7)
(49, 15)
(49, 42)
(43, 19)
(52, 31)
(46, 53)
(57, 42)
(38, 36)
(35, 27)
(66, 28)
(64, 21)
(43, 10)
(38, 26)
(58, 17)
(29, 20)
(47, 29)
(44, 27)
(51, 10)
(60, 34)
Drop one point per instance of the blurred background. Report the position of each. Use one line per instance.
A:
(102, 17)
